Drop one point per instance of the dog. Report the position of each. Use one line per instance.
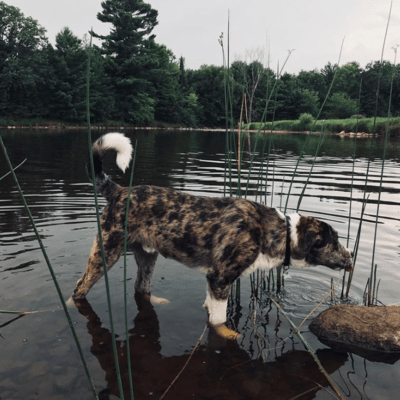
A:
(224, 238)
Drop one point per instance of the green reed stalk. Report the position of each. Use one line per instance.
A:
(357, 242)
(261, 168)
(365, 293)
(311, 130)
(8, 173)
(372, 289)
(271, 278)
(374, 292)
(319, 145)
(351, 192)
(310, 350)
(114, 345)
(128, 349)
(19, 312)
(279, 73)
(273, 181)
(53, 275)
(378, 207)
(352, 170)
(230, 146)
(269, 149)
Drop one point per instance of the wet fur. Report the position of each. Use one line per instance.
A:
(221, 237)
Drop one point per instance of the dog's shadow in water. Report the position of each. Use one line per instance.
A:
(219, 369)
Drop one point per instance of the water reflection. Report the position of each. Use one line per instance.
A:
(217, 370)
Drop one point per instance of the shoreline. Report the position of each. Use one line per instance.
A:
(54, 127)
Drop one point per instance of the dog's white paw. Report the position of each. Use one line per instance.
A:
(70, 302)
(158, 300)
(226, 333)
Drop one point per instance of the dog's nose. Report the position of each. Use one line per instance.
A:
(349, 268)
(352, 254)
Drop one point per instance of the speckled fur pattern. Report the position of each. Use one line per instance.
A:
(221, 237)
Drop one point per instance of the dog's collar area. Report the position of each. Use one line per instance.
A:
(286, 261)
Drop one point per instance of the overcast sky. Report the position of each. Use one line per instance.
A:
(313, 28)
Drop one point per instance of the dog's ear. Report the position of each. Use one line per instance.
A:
(310, 234)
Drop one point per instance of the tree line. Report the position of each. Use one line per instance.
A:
(135, 80)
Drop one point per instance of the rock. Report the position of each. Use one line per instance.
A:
(374, 329)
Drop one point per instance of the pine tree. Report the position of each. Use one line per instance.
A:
(69, 64)
(129, 57)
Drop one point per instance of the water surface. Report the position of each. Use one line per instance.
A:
(38, 356)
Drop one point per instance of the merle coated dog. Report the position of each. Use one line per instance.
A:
(223, 238)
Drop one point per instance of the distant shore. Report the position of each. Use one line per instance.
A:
(60, 126)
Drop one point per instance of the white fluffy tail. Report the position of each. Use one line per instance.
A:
(118, 142)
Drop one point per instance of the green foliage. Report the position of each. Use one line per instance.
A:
(340, 105)
(309, 102)
(131, 57)
(365, 125)
(305, 121)
(208, 85)
(134, 80)
(69, 65)
(23, 65)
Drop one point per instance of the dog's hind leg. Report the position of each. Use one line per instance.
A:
(113, 247)
(146, 262)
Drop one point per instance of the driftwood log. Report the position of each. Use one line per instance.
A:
(372, 332)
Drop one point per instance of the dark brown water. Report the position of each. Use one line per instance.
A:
(38, 358)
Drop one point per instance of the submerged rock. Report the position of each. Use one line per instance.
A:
(375, 329)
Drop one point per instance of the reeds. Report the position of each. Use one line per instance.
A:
(234, 147)
(269, 282)
(128, 350)
(372, 289)
(107, 285)
(310, 350)
(306, 141)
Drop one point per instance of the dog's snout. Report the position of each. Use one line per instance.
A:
(349, 268)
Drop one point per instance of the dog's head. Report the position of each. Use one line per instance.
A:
(318, 244)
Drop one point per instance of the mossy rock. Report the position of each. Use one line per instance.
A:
(351, 327)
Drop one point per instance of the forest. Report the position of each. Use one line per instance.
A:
(136, 81)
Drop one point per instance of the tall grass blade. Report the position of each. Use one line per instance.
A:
(384, 152)
(53, 275)
(128, 349)
(8, 173)
(357, 243)
(320, 142)
(312, 129)
(107, 284)
(310, 350)
(19, 312)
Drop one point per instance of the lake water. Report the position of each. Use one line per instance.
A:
(39, 359)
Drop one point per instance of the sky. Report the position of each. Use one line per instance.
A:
(263, 29)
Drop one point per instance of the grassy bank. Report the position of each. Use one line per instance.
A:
(333, 125)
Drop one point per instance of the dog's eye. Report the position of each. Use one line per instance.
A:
(319, 243)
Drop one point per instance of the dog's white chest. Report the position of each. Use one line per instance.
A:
(262, 262)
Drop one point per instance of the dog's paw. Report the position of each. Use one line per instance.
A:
(70, 302)
(226, 333)
(158, 300)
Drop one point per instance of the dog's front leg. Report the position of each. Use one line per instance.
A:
(216, 305)
(145, 262)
